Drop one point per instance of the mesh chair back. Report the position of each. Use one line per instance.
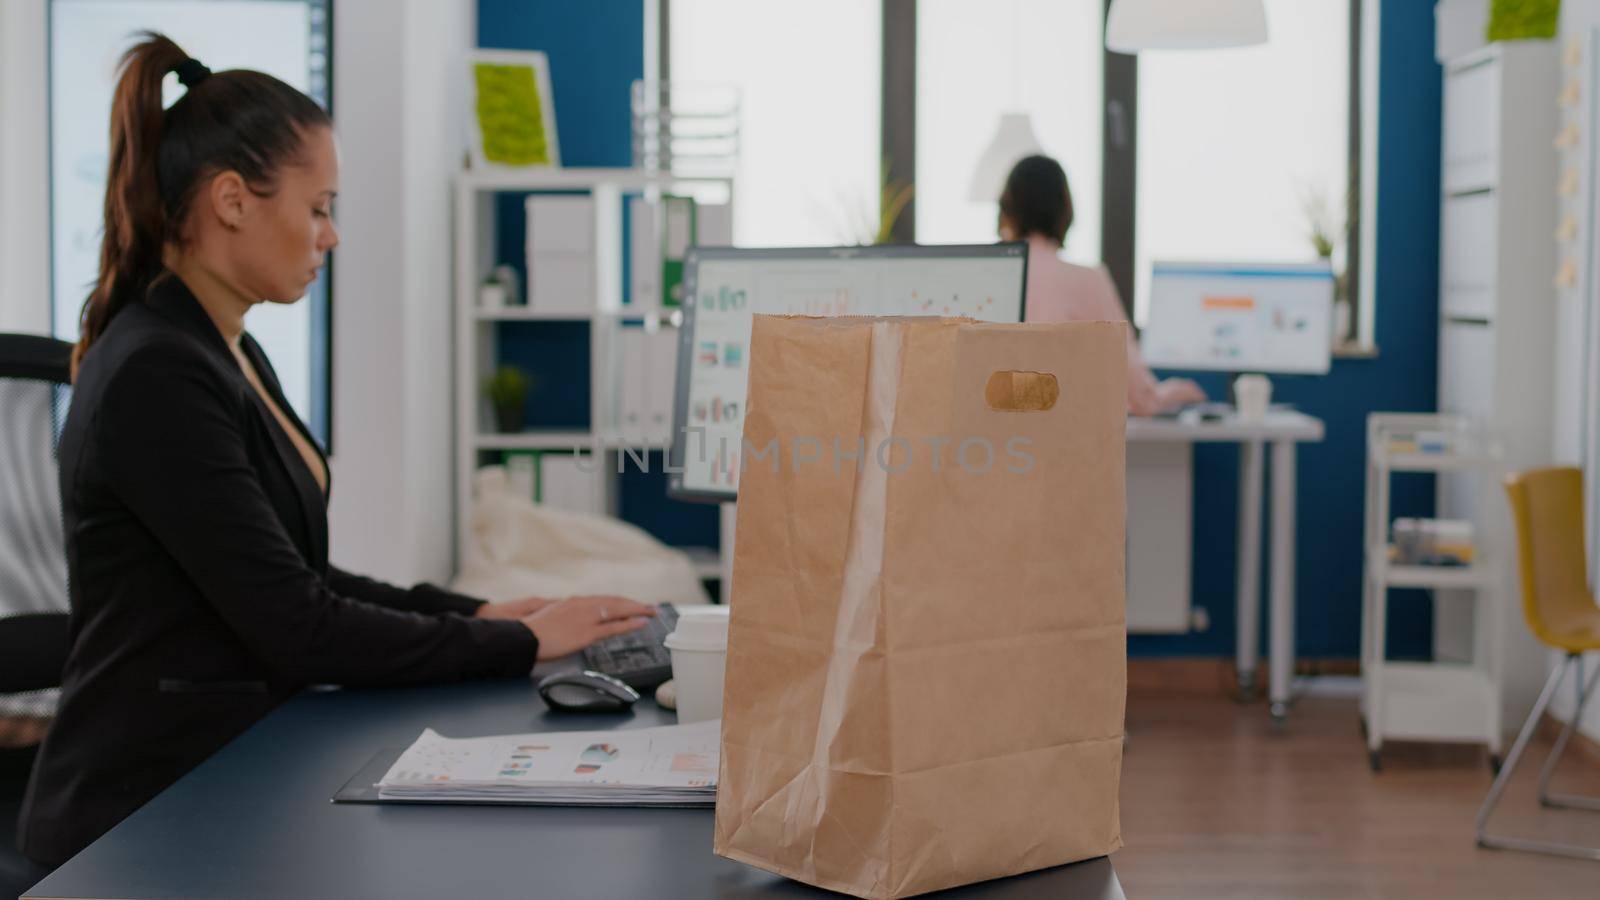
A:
(33, 564)
(33, 572)
(33, 403)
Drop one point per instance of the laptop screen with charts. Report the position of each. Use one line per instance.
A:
(1240, 317)
(724, 288)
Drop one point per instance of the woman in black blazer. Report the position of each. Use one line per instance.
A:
(194, 499)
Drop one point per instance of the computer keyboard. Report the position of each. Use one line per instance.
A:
(638, 657)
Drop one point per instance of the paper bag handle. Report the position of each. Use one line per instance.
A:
(1011, 390)
(1042, 370)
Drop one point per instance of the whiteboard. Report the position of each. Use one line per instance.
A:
(725, 288)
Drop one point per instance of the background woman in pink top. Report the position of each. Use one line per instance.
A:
(1036, 206)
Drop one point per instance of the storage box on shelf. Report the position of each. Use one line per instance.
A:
(561, 253)
(1441, 700)
(589, 292)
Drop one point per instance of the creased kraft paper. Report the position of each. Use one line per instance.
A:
(926, 667)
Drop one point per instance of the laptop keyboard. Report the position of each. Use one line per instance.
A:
(638, 657)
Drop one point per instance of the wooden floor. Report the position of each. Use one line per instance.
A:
(1216, 803)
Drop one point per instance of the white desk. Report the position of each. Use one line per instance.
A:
(1282, 429)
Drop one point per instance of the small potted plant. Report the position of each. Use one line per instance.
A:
(507, 391)
(1327, 232)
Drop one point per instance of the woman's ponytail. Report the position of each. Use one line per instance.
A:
(135, 226)
(234, 121)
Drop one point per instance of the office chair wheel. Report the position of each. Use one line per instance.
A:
(1374, 761)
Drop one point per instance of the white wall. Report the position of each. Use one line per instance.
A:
(398, 73)
(24, 192)
(436, 97)
(1575, 350)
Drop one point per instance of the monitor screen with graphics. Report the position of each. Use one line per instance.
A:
(724, 288)
(1240, 317)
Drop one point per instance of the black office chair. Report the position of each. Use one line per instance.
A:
(33, 573)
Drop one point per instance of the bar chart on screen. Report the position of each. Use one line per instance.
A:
(728, 287)
(811, 301)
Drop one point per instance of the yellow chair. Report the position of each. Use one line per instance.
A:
(1547, 507)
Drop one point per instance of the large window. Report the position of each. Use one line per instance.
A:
(1227, 154)
(287, 38)
(1243, 151)
(977, 60)
(808, 76)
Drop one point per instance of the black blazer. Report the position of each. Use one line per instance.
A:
(202, 597)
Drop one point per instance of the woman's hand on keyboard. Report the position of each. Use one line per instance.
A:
(569, 625)
(513, 609)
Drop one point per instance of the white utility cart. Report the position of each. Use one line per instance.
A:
(1454, 700)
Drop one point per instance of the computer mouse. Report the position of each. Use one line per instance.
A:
(586, 691)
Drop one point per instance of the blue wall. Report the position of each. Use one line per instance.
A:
(1402, 379)
(595, 54)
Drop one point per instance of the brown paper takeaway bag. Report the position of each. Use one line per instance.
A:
(927, 654)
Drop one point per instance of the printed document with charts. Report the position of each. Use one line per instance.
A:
(674, 765)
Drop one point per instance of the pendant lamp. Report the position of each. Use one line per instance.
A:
(1013, 140)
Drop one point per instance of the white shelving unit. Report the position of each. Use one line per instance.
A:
(1497, 311)
(522, 314)
(476, 327)
(1441, 700)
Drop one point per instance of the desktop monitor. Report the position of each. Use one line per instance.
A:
(1240, 317)
(724, 288)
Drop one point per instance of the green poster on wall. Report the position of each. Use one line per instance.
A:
(508, 113)
(513, 118)
(1511, 20)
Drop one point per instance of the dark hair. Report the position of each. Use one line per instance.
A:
(239, 120)
(1037, 199)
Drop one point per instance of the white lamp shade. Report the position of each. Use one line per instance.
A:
(1135, 25)
(1013, 140)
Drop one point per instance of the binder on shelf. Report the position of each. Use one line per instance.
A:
(661, 379)
(646, 374)
(677, 236)
(714, 225)
(632, 382)
(644, 255)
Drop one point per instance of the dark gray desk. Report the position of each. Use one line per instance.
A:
(255, 821)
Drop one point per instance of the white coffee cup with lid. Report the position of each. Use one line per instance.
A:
(699, 648)
(1252, 397)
